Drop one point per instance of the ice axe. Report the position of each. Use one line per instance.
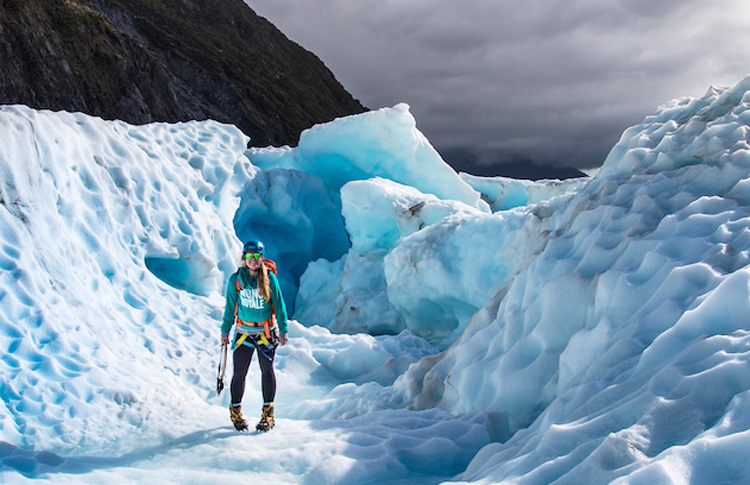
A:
(222, 369)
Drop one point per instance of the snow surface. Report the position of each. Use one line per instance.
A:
(597, 332)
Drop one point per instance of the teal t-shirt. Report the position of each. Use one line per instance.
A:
(252, 306)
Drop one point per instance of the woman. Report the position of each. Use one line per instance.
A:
(253, 300)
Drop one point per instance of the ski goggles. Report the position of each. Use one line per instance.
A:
(253, 255)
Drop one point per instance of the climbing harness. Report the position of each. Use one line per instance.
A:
(259, 341)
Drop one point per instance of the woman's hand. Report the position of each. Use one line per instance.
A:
(225, 340)
(283, 341)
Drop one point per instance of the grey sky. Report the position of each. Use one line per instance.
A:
(554, 81)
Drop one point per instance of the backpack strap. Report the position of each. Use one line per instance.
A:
(237, 303)
(271, 266)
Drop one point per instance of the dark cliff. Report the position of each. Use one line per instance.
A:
(165, 60)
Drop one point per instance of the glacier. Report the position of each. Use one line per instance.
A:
(447, 328)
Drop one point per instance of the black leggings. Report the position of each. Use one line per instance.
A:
(242, 357)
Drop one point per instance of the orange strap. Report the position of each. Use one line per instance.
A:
(265, 324)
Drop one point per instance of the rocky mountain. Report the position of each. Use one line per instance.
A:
(165, 60)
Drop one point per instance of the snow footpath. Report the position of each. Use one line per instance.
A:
(397, 446)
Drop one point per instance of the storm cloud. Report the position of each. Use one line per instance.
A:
(496, 81)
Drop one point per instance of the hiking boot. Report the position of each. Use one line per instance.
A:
(235, 413)
(266, 420)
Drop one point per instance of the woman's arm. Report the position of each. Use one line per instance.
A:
(279, 306)
(230, 306)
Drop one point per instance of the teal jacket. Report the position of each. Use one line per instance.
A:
(252, 306)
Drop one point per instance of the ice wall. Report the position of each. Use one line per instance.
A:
(352, 295)
(303, 220)
(384, 143)
(623, 344)
(380, 286)
(115, 242)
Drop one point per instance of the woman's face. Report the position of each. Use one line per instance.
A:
(253, 260)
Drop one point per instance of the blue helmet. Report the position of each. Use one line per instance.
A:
(254, 246)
